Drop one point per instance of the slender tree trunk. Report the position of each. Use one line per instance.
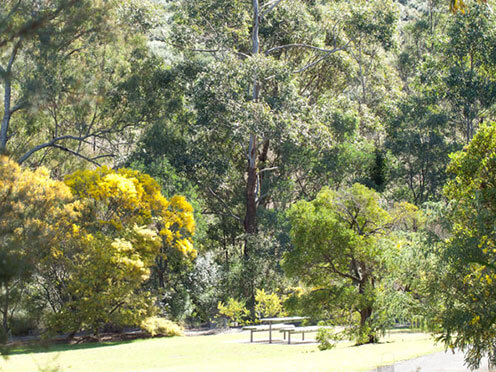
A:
(160, 266)
(6, 113)
(256, 24)
(469, 130)
(251, 185)
(366, 312)
(5, 311)
(262, 160)
(7, 98)
(250, 221)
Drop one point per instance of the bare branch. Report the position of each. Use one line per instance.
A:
(272, 5)
(310, 65)
(306, 46)
(334, 270)
(76, 154)
(213, 51)
(13, 56)
(53, 142)
(268, 169)
(17, 107)
(223, 203)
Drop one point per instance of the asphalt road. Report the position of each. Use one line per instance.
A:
(438, 362)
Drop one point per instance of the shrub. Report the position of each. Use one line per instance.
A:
(22, 325)
(156, 326)
(234, 310)
(268, 304)
(327, 338)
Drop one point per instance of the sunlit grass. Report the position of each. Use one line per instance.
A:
(226, 352)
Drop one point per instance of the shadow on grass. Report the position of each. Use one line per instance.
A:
(41, 347)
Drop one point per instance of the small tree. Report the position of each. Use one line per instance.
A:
(340, 240)
(34, 214)
(97, 273)
(268, 304)
(234, 310)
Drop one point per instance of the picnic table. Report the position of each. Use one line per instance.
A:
(302, 330)
(274, 321)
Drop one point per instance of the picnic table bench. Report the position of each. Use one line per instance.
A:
(272, 325)
(302, 330)
(267, 328)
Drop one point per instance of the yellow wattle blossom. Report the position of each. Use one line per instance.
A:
(488, 279)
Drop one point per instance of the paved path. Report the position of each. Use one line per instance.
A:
(438, 362)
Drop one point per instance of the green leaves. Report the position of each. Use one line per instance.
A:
(469, 254)
(339, 244)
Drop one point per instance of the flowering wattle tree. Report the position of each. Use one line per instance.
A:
(125, 224)
(35, 212)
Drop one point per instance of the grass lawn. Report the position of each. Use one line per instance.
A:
(219, 353)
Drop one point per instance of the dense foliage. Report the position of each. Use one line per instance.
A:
(467, 319)
(341, 242)
(285, 125)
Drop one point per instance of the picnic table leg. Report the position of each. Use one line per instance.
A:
(251, 335)
(270, 332)
(303, 336)
(284, 335)
(289, 338)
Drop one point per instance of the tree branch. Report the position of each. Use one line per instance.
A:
(306, 46)
(12, 57)
(218, 50)
(17, 107)
(272, 5)
(332, 267)
(268, 169)
(223, 203)
(53, 142)
(72, 152)
(332, 51)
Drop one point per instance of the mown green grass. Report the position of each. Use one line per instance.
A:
(219, 353)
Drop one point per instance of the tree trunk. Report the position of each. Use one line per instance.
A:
(366, 312)
(6, 114)
(250, 221)
(7, 98)
(262, 161)
(160, 266)
(5, 312)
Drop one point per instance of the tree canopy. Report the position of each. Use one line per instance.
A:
(467, 318)
(341, 241)
(165, 157)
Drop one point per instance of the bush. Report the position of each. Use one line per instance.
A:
(156, 326)
(327, 338)
(268, 304)
(22, 325)
(234, 310)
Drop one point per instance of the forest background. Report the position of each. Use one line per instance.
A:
(268, 118)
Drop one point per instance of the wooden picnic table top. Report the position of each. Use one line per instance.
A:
(284, 319)
(265, 327)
